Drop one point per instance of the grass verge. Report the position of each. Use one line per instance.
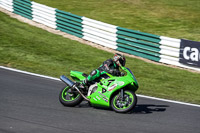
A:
(29, 48)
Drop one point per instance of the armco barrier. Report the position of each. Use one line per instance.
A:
(138, 43)
(43, 14)
(99, 32)
(153, 47)
(23, 8)
(69, 23)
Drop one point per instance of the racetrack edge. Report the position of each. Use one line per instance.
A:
(53, 78)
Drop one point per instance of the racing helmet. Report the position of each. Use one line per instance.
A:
(119, 59)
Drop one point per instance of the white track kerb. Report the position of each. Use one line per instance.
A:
(52, 78)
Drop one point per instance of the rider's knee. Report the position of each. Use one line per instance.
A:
(93, 73)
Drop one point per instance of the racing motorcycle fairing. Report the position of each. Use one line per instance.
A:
(101, 93)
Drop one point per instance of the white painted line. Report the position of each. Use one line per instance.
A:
(143, 96)
(29, 73)
(166, 100)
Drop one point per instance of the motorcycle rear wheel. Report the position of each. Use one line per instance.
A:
(125, 105)
(68, 98)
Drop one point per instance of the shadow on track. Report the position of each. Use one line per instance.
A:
(148, 108)
(139, 108)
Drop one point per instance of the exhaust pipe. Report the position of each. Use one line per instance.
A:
(67, 81)
(73, 85)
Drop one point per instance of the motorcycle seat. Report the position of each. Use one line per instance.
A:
(85, 75)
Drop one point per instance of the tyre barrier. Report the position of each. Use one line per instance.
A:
(178, 52)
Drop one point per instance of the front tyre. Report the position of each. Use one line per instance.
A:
(69, 98)
(126, 104)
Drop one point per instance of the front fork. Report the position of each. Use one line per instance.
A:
(122, 94)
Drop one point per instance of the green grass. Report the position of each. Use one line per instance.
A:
(32, 49)
(171, 18)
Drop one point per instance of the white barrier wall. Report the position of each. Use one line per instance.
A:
(44, 14)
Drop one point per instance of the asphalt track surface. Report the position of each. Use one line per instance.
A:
(29, 104)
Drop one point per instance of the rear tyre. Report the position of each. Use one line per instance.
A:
(120, 105)
(69, 98)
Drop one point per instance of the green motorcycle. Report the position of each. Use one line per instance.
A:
(116, 92)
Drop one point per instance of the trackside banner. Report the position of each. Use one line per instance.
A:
(189, 53)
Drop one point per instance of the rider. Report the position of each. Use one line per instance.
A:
(110, 66)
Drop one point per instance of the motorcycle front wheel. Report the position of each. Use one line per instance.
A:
(69, 98)
(126, 104)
